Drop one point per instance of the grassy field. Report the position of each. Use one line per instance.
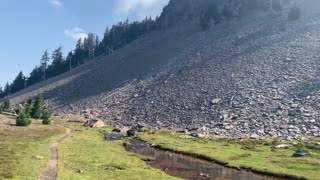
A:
(24, 151)
(258, 156)
(85, 156)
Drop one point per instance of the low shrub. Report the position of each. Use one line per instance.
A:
(46, 115)
(23, 120)
(300, 148)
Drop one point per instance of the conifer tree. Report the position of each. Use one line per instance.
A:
(28, 108)
(1, 93)
(69, 60)
(58, 65)
(37, 107)
(19, 83)
(6, 90)
(44, 63)
(35, 76)
(6, 105)
(86, 49)
(23, 120)
(91, 45)
(46, 115)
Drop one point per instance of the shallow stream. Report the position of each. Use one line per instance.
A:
(187, 167)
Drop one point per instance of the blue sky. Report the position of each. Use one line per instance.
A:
(30, 27)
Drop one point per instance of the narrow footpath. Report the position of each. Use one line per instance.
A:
(51, 170)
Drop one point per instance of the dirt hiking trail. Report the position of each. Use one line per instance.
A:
(51, 170)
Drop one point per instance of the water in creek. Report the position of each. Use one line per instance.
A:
(186, 167)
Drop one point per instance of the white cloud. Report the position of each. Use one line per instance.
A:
(139, 8)
(75, 33)
(56, 3)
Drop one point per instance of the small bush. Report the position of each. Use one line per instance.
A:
(294, 13)
(46, 121)
(23, 120)
(301, 147)
(46, 115)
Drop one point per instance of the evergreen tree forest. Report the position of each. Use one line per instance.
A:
(51, 65)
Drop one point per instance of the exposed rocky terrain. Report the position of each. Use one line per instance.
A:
(251, 76)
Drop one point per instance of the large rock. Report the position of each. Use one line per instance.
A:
(131, 132)
(94, 123)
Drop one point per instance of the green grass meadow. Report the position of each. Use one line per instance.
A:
(24, 151)
(85, 155)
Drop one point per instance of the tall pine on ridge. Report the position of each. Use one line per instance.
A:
(44, 63)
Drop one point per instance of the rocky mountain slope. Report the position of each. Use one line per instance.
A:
(256, 75)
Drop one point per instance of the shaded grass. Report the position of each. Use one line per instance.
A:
(257, 156)
(85, 155)
(24, 151)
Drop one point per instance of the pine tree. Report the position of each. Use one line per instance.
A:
(19, 83)
(28, 108)
(23, 120)
(79, 52)
(105, 40)
(6, 105)
(85, 51)
(35, 76)
(46, 115)
(37, 107)
(44, 63)
(91, 45)
(57, 57)
(1, 93)
(58, 65)
(99, 49)
(69, 60)
(88, 48)
(6, 90)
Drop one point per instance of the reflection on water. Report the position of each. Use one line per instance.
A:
(187, 167)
